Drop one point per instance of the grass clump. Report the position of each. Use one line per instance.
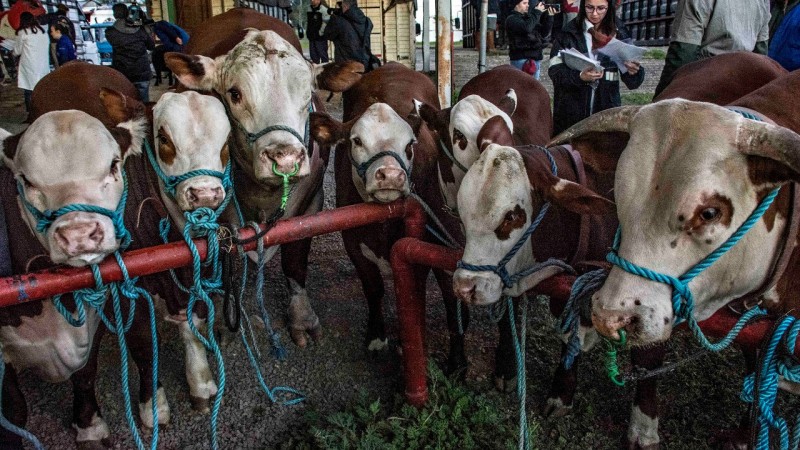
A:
(637, 98)
(655, 53)
(454, 417)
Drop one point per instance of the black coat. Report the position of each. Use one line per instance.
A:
(314, 23)
(526, 34)
(571, 95)
(130, 46)
(348, 43)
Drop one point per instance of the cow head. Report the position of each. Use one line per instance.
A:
(190, 134)
(501, 194)
(681, 192)
(380, 145)
(267, 86)
(458, 129)
(69, 158)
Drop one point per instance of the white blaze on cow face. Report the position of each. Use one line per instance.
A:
(191, 133)
(69, 157)
(265, 81)
(682, 190)
(495, 205)
(381, 129)
(467, 117)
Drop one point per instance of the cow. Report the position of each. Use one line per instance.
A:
(681, 192)
(384, 153)
(270, 137)
(504, 91)
(62, 158)
(723, 78)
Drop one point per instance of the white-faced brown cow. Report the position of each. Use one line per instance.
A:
(681, 192)
(65, 158)
(268, 89)
(503, 91)
(385, 152)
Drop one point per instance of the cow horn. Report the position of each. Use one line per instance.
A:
(615, 119)
(770, 141)
(508, 104)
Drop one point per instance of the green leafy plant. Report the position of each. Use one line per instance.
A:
(454, 417)
(655, 53)
(637, 98)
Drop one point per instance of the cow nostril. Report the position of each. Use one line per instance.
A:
(380, 175)
(97, 234)
(191, 195)
(217, 193)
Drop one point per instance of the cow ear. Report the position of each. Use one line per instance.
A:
(325, 129)
(508, 104)
(129, 115)
(8, 143)
(495, 131)
(772, 156)
(601, 150)
(416, 122)
(437, 119)
(578, 199)
(193, 71)
(119, 107)
(337, 76)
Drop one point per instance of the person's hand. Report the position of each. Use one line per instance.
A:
(552, 11)
(590, 75)
(632, 66)
(179, 41)
(540, 7)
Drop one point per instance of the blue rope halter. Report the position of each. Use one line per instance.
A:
(361, 169)
(682, 298)
(253, 137)
(500, 268)
(171, 182)
(452, 157)
(44, 219)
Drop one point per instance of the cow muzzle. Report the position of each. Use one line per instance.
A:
(643, 321)
(477, 288)
(284, 158)
(199, 192)
(80, 238)
(387, 183)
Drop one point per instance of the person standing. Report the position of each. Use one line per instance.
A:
(526, 32)
(317, 45)
(130, 43)
(33, 48)
(704, 28)
(65, 48)
(576, 94)
(346, 29)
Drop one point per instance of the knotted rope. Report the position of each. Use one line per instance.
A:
(519, 351)
(579, 305)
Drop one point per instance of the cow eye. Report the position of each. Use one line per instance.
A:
(410, 149)
(458, 135)
(114, 167)
(709, 214)
(357, 141)
(235, 94)
(25, 181)
(162, 140)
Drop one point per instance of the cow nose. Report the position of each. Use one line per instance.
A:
(286, 157)
(76, 239)
(609, 322)
(465, 289)
(209, 197)
(390, 177)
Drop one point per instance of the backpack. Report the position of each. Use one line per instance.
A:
(372, 61)
(785, 45)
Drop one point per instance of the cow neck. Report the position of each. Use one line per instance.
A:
(781, 262)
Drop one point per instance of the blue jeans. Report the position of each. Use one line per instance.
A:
(518, 63)
(144, 90)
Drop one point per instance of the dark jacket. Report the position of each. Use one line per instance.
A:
(526, 34)
(168, 34)
(571, 95)
(130, 45)
(65, 50)
(348, 42)
(314, 21)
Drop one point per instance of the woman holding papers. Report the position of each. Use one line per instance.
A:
(581, 88)
(526, 33)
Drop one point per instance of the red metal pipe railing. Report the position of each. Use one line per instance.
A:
(409, 290)
(60, 280)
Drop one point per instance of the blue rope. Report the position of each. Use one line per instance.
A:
(44, 219)
(171, 182)
(452, 157)
(21, 432)
(278, 350)
(774, 366)
(361, 169)
(580, 299)
(682, 299)
(519, 351)
(253, 137)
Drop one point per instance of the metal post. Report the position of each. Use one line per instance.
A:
(426, 36)
(482, 54)
(444, 52)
